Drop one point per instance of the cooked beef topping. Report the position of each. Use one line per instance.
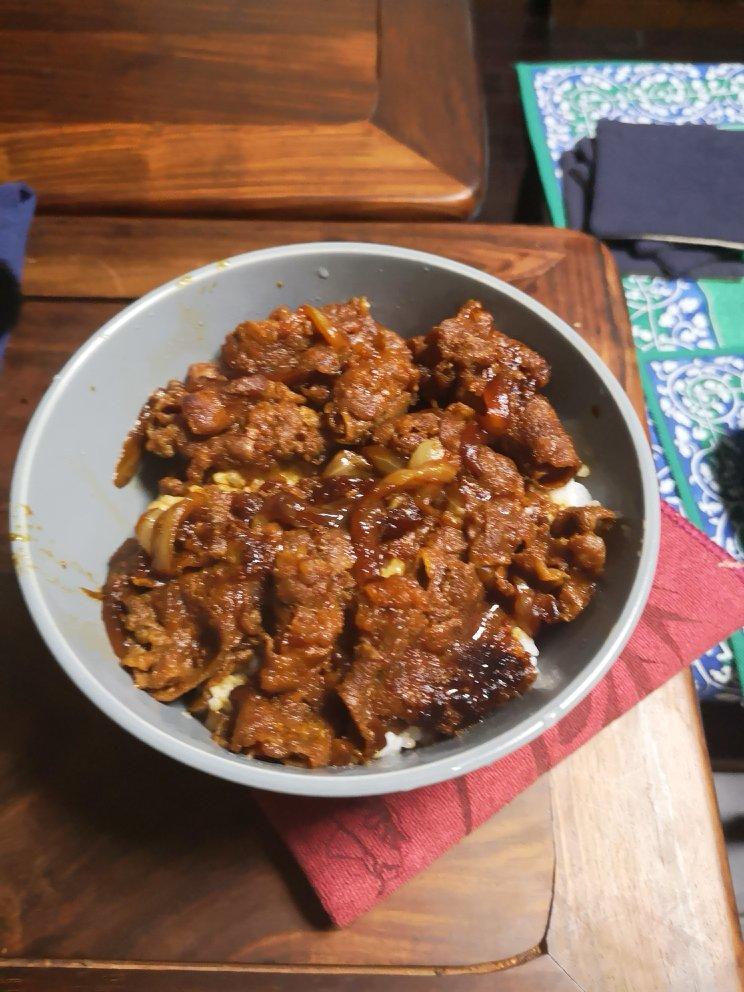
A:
(354, 535)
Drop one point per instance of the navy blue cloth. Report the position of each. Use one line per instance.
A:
(17, 204)
(666, 181)
(617, 203)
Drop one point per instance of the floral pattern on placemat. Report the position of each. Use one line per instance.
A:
(668, 314)
(702, 402)
(572, 98)
(711, 671)
(701, 406)
(667, 486)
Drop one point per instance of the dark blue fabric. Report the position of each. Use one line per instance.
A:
(17, 203)
(668, 180)
(581, 190)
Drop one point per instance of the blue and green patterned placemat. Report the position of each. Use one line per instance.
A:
(689, 335)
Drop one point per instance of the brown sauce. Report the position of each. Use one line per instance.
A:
(351, 532)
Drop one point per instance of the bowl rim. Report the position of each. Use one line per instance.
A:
(354, 782)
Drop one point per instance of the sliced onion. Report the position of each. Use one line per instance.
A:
(364, 520)
(347, 464)
(552, 576)
(405, 479)
(131, 452)
(164, 533)
(335, 338)
(430, 450)
(144, 526)
(383, 459)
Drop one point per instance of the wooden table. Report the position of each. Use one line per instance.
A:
(120, 869)
(230, 107)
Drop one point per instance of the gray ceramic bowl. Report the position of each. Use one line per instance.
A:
(67, 517)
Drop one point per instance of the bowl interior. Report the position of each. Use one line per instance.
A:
(65, 504)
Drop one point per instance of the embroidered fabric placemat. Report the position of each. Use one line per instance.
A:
(689, 335)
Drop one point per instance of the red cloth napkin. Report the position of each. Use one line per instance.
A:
(357, 851)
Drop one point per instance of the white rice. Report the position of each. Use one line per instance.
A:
(219, 694)
(395, 743)
(572, 494)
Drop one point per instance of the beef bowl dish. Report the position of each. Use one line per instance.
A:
(356, 538)
(380, 518)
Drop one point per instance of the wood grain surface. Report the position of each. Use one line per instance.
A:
(537, 974)
(315, 107)
(113, 853)
(649, 771)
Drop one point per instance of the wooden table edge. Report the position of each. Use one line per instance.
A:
(238, 967)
